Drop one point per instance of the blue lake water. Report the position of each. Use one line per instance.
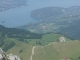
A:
(21, 16)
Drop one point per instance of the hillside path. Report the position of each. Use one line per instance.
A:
(32, 53)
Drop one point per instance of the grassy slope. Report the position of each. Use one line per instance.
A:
(58, 50)
(26, 49)
(53, 51)
(46, 39)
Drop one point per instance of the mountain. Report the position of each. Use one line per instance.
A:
(17, 40)
(9, 37)
(57, 20)
(48, 46)
(53, 51)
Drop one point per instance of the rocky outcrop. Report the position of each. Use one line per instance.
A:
(4, 56)
(62, 39)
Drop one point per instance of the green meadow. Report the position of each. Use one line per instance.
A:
(47, 48)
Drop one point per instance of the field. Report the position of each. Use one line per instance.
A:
(46, 39)
(51, 50)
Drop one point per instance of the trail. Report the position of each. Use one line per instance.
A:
(33, 49)
(32, 53)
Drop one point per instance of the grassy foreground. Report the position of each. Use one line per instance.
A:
(51, 50)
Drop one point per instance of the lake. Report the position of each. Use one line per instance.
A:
(21, 16)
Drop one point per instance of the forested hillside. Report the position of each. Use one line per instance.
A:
(8, 34)
(18, 33)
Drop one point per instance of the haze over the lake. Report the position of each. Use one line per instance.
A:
(21, 16)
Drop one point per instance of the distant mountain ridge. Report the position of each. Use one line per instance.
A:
(57, 20)
(8, 4)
